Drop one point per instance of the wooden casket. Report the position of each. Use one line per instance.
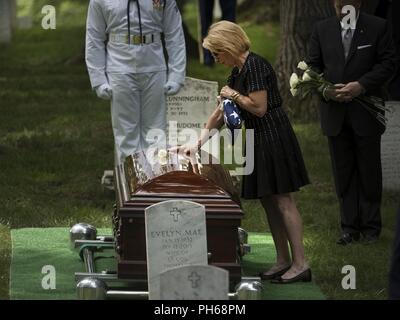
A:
(139, 184)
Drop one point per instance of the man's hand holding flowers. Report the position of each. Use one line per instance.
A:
(350, 91)
(312, 82)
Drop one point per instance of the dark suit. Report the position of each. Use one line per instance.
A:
(354, 135)
(228, 9)
(394, 280)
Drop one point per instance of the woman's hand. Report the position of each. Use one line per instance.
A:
(220, 106)
(187, 150)
(227, 92)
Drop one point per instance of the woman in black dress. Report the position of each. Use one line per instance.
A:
(278, 163)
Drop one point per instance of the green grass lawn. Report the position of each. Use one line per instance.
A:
(56, 141)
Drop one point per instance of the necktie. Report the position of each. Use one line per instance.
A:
(347, 38)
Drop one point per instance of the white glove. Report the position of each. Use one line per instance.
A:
(104, 91)
(172, 88)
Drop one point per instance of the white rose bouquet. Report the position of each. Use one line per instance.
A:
(312, 82)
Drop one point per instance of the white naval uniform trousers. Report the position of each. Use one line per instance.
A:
(136, 73)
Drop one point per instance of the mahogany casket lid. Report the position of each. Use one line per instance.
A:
(140, 183)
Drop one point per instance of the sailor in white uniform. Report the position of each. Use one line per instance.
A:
(125, 61)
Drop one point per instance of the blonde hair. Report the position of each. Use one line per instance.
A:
(226, 36)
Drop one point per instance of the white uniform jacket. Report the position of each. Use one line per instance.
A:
(107, 18)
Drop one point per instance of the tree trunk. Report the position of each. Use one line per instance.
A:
(297, 22)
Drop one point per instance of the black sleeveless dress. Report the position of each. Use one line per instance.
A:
(278, 161)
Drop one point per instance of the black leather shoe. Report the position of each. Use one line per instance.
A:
(305, 276)
(348, 238)
(270, 276)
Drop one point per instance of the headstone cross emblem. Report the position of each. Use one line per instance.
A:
(194, 278)
(175, 213)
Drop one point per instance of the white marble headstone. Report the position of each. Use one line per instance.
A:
(175, 236)
(391, 149)
(191, 107)
(194, 283)
(5, 21)
(189, 110)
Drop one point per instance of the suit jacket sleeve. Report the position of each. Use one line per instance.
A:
(175, 43)
(96, 37)
(385, 64)
(314, 56)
